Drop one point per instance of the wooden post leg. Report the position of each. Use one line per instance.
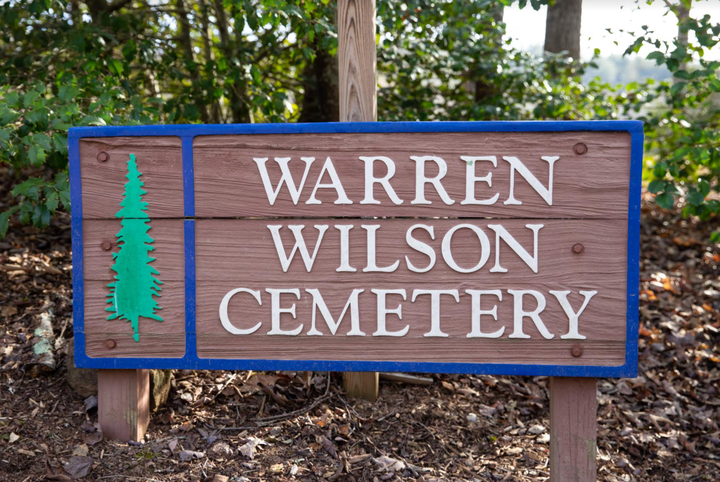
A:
(362, 385)
(358, 103)
(124, 404)
(573, 429)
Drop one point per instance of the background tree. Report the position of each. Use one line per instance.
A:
(562, 28)
(132, 293)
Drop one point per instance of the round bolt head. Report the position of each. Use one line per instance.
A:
(580, 148)
(576, 351)
(106, 245)
(110, 344)
(103, 156)
(578, 248)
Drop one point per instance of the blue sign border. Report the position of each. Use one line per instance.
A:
(191, 360)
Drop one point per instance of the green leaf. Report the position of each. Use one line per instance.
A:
(36, 154)
(30, 97)
(695, 198)
(12, 99)
(677, 87)
(4, 220)
(657, 56)
(115, 66)
(67, 92)
(43, 141)
(24, 188)
(52, 201)
(656, 186)
(665, 200)
(65, 198)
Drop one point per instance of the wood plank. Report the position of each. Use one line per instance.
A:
(165, 339)
(124, 404)
(233, 254)
(237, 249)
(159, 159)
(357, 65)
(592, 185)
(573, 429)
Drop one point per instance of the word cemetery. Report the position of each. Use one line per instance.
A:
(505, 248)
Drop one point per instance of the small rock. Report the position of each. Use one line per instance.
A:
(536, 429)
(220, 450)
(79, 467)
(82, 380)
(472, 417)
(81, 450)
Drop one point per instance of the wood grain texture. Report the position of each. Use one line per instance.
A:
(358, 102)
(124, 404)
(235, 253)
(169, 252)
(357, 63)
(573, 429)
(159, 159)
(163, 339)
(593, 185)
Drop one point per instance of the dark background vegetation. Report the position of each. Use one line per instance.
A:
(119, 62)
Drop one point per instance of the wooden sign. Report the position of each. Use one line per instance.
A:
(473, 247)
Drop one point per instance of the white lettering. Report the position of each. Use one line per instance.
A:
(471, 179)
(501, 233)
(277, 311)
(421, 179)
(285, 179)
(371, 180)
(516, 165)
(421, 247)
(334, 184)
(477, 312)
(383, 311)
(299, 245)
(534, 315)
(225, 319)
(573, 317)
(484, 248)
(352, 303)
(435, 330)
(372, 266)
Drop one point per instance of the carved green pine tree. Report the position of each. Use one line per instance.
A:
(131, 294)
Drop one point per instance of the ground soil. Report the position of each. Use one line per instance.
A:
(243, 426)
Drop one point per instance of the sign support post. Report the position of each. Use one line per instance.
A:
(573, 429)
(358, 103)
(124, 404)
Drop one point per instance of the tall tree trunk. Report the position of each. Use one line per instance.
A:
(483, 89)
(682, 11)
(320, 89)
(562, 28)
(186, 45)
(238, 102)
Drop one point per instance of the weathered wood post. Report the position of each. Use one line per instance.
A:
(124, 404)
(573, 429)
(358, 103)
